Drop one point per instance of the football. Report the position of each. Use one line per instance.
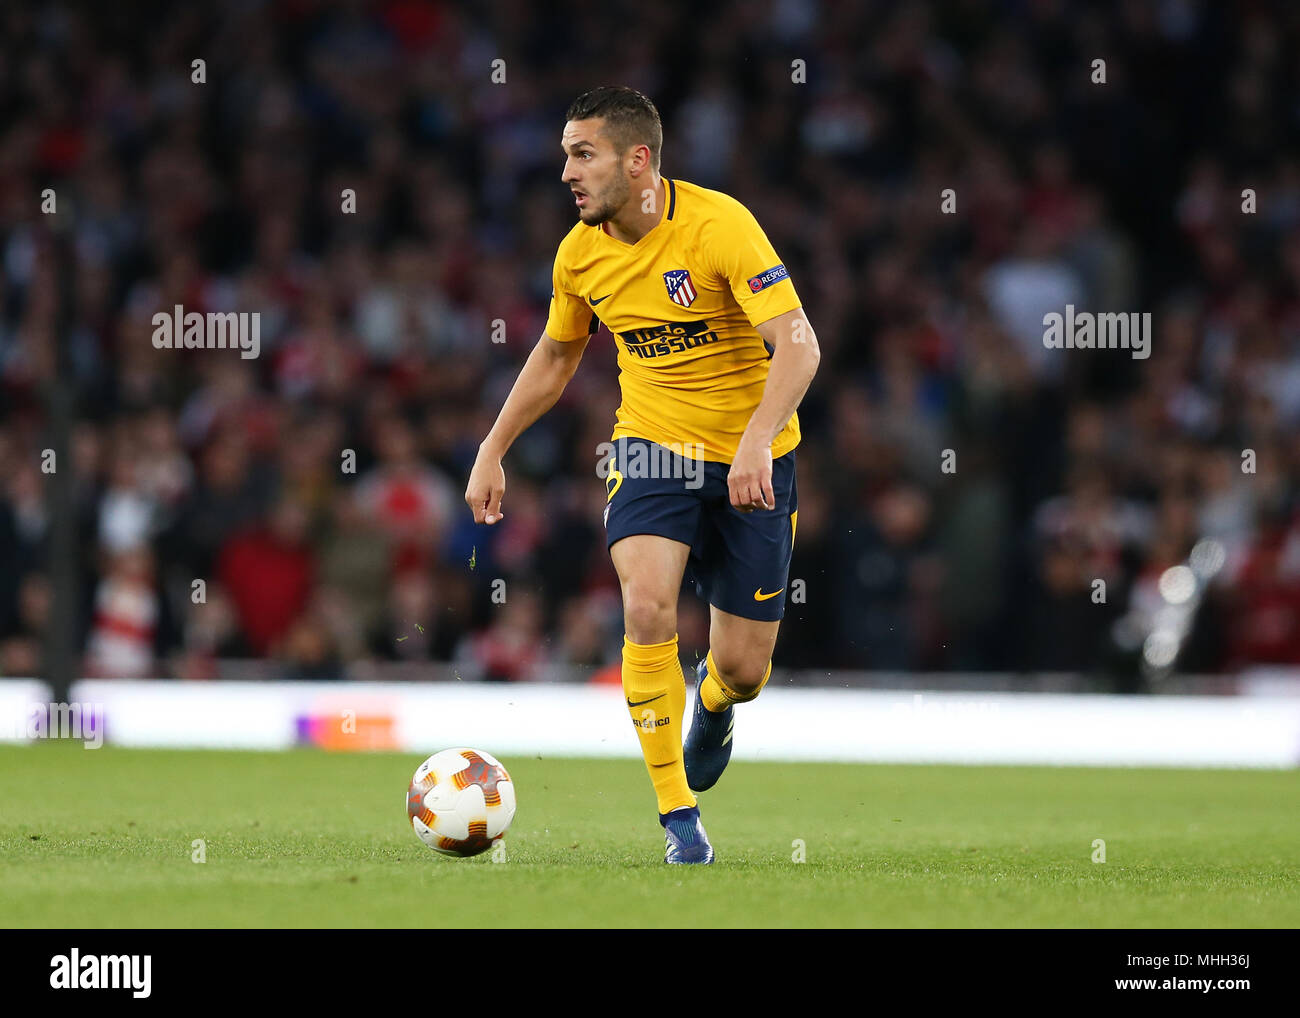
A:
(460, 802)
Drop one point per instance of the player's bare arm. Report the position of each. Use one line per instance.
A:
(541, 381)
(794, 363)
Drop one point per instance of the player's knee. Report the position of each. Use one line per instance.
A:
(649, 617)
(740, 673)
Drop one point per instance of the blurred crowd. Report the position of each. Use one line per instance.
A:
(305, 507)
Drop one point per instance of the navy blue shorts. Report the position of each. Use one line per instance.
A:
(739, 562)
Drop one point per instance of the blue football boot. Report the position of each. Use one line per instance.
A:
(708, 744)
(686, 840)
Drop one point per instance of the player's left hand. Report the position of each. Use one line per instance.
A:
(750, 479)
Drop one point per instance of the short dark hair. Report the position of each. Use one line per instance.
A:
(630, 117)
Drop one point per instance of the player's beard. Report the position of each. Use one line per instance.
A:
(610, 207)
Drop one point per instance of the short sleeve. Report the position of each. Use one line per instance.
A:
(745, 258)
(570, 318)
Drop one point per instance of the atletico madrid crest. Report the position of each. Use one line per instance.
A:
(680, 287)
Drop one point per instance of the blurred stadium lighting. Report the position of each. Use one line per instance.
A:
(1177, 584)
(1207, 558)
(1182, 588)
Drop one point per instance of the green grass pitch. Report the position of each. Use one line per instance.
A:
(103, 838)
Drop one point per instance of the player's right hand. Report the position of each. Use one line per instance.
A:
(487, 483)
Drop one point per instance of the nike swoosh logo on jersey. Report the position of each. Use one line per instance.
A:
(760, 596)
(651, 700)
(596, 300)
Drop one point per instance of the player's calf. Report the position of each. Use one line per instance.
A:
(707, 749)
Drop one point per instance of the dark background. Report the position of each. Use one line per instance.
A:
(1072, 466)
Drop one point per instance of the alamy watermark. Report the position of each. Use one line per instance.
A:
(217, 330)
(919, 706)
(1109, 330)
(77, 971)
(655, 461)
(80, 721)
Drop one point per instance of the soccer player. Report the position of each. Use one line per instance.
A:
(714, 354)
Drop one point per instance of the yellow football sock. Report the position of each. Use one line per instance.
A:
(655, 689)
(717, 696)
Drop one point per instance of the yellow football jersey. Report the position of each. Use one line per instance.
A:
(683, 303)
